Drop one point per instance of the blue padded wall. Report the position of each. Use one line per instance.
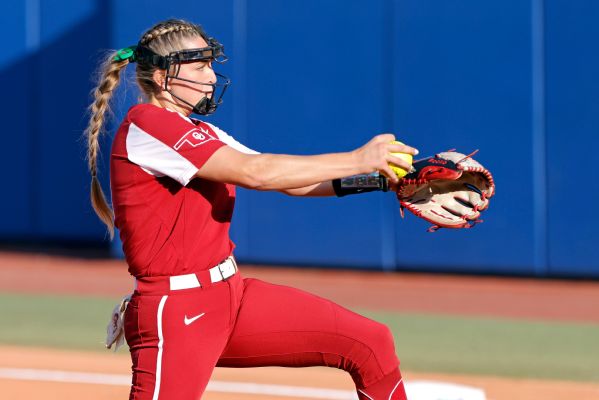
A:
(18, 23)
(515, 79)
(73, 35)
(462, 79)
(45, 72)
(572, 63)
(316, 83)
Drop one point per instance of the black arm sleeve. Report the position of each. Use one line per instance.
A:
(356, 184)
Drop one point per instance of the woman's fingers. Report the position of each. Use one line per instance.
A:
(388, 172)
(385, 138)
(402, 148)
(399, 162)
(376, 154)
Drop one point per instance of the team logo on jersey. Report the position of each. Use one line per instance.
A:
(195, 137)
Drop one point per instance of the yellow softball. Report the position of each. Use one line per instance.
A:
(404, 156)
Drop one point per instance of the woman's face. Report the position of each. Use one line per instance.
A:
(198, 71)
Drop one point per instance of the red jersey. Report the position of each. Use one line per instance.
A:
(169, 222)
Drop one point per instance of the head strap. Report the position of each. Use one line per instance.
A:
(213, 52)
(144, 55)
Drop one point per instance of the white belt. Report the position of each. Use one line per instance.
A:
(222, 271)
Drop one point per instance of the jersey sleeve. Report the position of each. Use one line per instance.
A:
(230, 141)
(163, 143)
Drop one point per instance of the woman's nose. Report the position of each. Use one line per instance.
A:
(212, 74)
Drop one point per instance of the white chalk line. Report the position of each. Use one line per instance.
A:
(27, 374)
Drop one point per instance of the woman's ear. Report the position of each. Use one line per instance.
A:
(159, 76)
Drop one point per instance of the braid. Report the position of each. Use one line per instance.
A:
(163, 38)
(110, 77)
(170, 26)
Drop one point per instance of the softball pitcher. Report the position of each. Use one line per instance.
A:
(173, 182)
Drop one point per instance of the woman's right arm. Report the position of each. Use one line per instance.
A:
(283, 172)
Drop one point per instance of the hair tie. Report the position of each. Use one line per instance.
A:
(126, 53)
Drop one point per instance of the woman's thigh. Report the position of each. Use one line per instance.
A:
(283, 326)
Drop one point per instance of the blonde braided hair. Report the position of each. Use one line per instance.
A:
(166, 27)
(163, 38)
(110, 79)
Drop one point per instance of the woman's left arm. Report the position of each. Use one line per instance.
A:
(322, 189)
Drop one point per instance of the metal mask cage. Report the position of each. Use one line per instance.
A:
(213, 52)
(207, 105)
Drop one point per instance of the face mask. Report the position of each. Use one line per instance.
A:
(214, 52)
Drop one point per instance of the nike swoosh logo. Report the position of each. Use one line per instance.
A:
(190, 320)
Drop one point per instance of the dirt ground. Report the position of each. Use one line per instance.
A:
(423, 293)
(15, 357)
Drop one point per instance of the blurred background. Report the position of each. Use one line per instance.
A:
(516, 79)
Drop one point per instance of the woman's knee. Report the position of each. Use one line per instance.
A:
(374, 353)
(382, 343)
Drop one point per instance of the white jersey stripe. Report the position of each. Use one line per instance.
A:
(230, 141)
(222, 136)
(160, 344)
(156, 158)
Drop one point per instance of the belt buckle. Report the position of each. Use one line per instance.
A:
(220, 270)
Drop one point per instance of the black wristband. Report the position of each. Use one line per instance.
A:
(357, 184)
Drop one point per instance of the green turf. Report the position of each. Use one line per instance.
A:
(487, 346)
(54, 321)
(431, 343)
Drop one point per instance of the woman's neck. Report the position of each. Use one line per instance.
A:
(169, 104)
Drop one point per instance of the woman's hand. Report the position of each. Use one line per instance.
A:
(376, 155)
